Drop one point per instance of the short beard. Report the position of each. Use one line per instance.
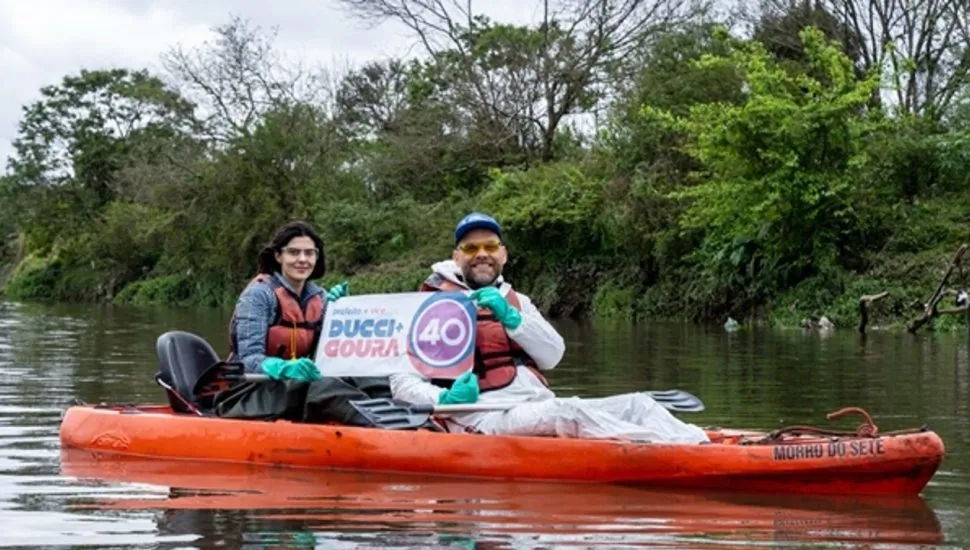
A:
(474, 284)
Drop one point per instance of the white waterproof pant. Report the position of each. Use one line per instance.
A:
(630, 416)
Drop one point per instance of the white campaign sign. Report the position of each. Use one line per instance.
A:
(426, 333)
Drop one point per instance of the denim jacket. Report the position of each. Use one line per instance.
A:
(255, 310)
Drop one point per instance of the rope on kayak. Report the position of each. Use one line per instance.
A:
(866, 429)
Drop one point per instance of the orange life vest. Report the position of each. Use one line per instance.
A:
(294, 331)
(496, 355)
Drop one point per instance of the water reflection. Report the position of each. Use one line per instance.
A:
(220, 504)
(50, 355)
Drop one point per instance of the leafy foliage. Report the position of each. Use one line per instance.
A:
(725, 175)
(781, 164)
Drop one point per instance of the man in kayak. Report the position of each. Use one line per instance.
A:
(515, 344)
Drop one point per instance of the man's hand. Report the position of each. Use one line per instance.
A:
(489, 297)
(463, 391)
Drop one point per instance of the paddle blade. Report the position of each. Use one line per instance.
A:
(677, 400)
(390, 415)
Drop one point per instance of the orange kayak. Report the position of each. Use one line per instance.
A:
(796, 461)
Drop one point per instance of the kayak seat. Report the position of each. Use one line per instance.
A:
(182, 358)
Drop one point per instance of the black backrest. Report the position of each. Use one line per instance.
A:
(182, 357)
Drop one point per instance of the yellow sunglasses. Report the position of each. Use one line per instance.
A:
(471, 249)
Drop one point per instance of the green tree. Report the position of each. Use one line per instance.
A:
(72, 143)
(408, 139)
(781, 23)
(641, 152)
(778, 195)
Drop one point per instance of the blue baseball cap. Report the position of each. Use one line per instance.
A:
(476, 220)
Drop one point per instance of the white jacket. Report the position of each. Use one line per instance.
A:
(536, 336)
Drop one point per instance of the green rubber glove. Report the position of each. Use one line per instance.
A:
(302, 369)
(489, 297)
(463, 391)
(308, 369)
(338, 291)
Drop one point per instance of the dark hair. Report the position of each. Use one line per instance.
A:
(266, 263)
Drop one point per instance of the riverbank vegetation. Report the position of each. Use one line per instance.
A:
(648, 159)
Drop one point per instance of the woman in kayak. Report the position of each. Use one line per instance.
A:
(275, 329)
(277, 319)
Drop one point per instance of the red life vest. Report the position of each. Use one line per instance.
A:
(294, 331)
(496, 355)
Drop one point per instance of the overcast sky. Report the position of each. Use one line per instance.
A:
(43, 40)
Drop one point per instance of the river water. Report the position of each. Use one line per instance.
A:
(51, 355)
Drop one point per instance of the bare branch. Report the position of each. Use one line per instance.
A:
(930, 310)
(528, 94)
(237, 79)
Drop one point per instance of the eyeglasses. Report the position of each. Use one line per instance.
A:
(297, 252)
(471, 249)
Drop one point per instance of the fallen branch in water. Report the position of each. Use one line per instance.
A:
(930, 309)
